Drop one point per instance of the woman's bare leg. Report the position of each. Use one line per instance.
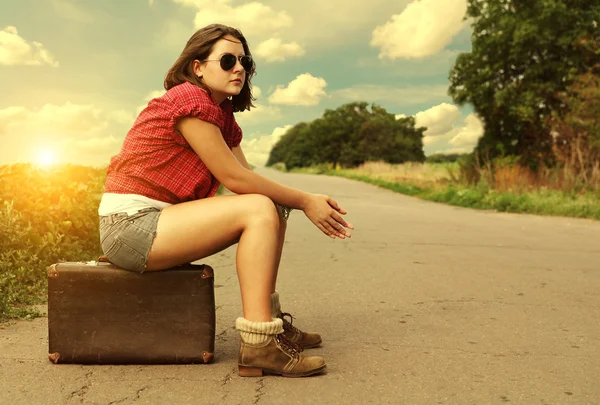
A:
(197, 229)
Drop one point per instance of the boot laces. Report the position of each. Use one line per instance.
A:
(287, 325)
(287, 345)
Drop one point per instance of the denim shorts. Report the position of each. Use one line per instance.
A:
(126, 239)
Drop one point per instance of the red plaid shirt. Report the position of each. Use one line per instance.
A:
(157, 162)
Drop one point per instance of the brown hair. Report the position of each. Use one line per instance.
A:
(199, 47)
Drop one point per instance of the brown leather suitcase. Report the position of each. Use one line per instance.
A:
(99, 313)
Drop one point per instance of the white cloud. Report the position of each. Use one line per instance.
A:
(305, 90)
(99, 145)
(423, 29)
(122, 117)
(325, 26)
(274, 50)
(51, 119)
(150, 96)
(470, 133)
(334, 22)
(12, 114)
(251, 18)
(258, 115)
(90, 152)
(445, 131)
(439, 120)
(257, 150)
(14, 50)
(154, 94)
(281, 131)
(173, 34)
(397, 95)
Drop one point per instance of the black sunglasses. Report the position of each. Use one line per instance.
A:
(229, 60)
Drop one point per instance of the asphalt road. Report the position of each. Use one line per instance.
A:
(425, 304)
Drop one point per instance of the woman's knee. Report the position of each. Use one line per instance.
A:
(262, 208)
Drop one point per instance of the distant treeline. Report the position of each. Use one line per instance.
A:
(349, 136)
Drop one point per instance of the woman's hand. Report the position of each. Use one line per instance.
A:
(324, 212)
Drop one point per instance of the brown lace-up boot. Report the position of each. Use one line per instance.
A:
(306, 340)
(264, 349)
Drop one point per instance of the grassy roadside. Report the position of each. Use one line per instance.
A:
(443, 189)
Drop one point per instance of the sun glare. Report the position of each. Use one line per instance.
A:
(46, 158)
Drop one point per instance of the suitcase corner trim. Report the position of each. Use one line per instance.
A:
(207, 272)
(52, 271)
(54, 357)
(207, 357)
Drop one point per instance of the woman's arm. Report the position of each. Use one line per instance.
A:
(239, 155)
(207, 141)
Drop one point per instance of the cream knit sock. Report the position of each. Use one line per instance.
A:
(275, 306)
(258, 332)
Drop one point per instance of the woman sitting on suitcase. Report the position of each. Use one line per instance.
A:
(182, 146)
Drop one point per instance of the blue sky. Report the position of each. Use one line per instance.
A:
(74, 74)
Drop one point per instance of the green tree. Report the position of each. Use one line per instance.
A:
(304, 150)
(350, 135)
(383, 137)
(524, 53)
(340, 134)
(578, 131)
(281, 148)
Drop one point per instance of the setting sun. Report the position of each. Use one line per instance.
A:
(46, 158)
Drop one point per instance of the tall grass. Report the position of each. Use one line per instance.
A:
(507, 175)
(503, 186)
(421, 174)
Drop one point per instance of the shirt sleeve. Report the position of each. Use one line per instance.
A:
(195, 102)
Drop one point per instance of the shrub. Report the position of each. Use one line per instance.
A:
(21, 281)
(46, 216)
